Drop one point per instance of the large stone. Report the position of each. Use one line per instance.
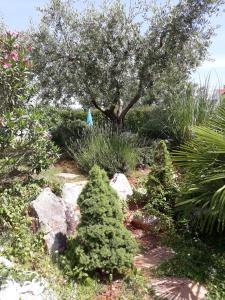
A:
(172, 288)
(72, 191)
(5, 262)
(121, 185)
(29, 290)
(55, 217)
(10, 291)
(144, 222)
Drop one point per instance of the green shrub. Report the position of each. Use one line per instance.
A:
(67, 130)
(136, 118)
(147, 121)
(161, 186)
(112, 151)
(173, 117)
(65, 124)
(145, 156)
(80, 114)
(102, 243)
(19, 243)
(25, 145)
(164, 167)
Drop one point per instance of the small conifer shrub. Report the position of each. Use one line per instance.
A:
(161, 186)
(102, 245)
(163, 165)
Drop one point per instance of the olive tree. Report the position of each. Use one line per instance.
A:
(111, 57)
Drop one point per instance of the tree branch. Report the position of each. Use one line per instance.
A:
(134, 100)
(130, 105)
(107, 112)
(97, 106)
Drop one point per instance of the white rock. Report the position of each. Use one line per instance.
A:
(121, 185)
(67, 175)
(29, 290)
(37, 290)
(34, 287)
(7, 263)
(10, 291)
(72, 191)
(31, 297)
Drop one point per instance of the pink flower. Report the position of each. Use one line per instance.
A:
(6, 56)
(30, 48)
(7, 66)
(14, 56)
(26, 61)
(14, 34)
(16, 46)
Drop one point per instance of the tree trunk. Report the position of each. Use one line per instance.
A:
(118, 123)
(116, 113)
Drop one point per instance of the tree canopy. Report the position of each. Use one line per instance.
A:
(110, 58)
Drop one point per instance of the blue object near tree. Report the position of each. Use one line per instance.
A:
(89, 118)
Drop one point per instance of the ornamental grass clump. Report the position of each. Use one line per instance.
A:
(112, 151)
(103, 246)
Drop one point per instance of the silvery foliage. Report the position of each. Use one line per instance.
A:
(114, 55)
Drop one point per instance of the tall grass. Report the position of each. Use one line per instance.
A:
(113, 152)
(192, 106)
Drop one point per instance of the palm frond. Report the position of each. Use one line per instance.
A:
(203, 159)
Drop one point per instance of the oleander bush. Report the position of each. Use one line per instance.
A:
(15, 71)
(102, 245)
(26, 147)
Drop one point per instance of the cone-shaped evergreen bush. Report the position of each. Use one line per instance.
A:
(163, 167)
(98, 202)
(161, 187)
(161, 184)
(102, 243)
